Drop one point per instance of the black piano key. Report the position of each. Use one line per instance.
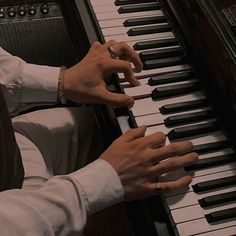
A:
(145, 21)
(209, 147)
(170, 78)
(127, 2)
(156, 44)
(211, 162)
(171, 90)
(183, 106)
(161, 53)
(188, 131)
(187, 118)
(152, 29)
(139, 7)
(214, 184)
(217, 199)
(221, 215)
(159, 63)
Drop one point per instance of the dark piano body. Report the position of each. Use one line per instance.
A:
(188, 91)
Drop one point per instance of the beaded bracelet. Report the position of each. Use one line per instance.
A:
(61, 87)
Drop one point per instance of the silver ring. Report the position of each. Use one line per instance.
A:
(158, 188)
(112, 53)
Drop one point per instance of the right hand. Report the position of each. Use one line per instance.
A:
(139, 162)
(85, 82)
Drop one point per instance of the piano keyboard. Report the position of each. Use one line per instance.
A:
(171, 100)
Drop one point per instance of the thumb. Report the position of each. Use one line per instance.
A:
(115, 99)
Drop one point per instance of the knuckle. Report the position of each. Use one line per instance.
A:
(112, 41)
(127, 65)
(102, 62)
(131, 132)
(175, 163)
(189, 144)
(161, 136)
(123, 44)
(96, 43)
(174, 148)
(194, 156)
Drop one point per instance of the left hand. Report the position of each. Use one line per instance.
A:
(84, 82)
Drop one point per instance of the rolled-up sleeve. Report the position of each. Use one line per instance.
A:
(62, 204)
(26, 85)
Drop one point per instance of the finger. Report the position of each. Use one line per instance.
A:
(114, 99)
(155, 140)
(133, 134)
(110, 43)
(120, 66)
(174, 163)
(172, 186)
(173, 149)
(123, 50)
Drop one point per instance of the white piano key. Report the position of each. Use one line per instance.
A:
(158, 118)
(152, 119)
(158, 71)
(116, 15)
(166, 130)
(217, 153)
(152, 49)
(126, 38)
(212, 176)
(196, 180)
(119, 22)
(200, 226)
(144, 83)
(216, 169)
(106, 8)
(148, 106)
(196, 212)
(112, 23)
(191, 198)
(96, 3)
(122, 30)
(124, 123)
(229, 231)
(132, 43)
(209, 138)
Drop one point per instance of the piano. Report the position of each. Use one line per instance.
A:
(187, 91)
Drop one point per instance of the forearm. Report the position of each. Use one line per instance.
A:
(26, 85)
(62, 205)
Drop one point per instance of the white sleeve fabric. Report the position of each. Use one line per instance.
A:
(26, 85)
(62, 205)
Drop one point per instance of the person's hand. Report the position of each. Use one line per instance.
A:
(140, 161)
(84, 82)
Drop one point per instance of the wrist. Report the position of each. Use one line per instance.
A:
(61, 86)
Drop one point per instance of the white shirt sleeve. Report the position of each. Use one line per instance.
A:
(62, 204)
(26, 85)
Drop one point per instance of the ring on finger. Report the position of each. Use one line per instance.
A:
(158, 188)
(112, 52)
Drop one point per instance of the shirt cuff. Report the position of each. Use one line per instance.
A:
(39, 83)
(100, 184)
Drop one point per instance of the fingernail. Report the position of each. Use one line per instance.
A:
(130, 103)
(137, 70)
(137, 83)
